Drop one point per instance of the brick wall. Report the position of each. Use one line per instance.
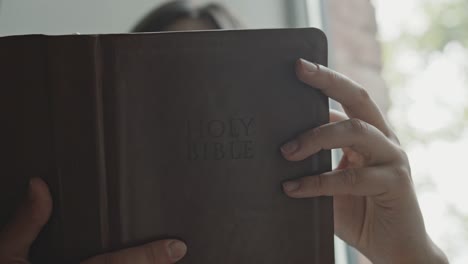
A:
(354, 49)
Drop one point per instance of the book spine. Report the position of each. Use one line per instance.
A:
(100, 143)
(110, 111)
(73, 81)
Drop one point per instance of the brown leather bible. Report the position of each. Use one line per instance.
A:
(167, 135)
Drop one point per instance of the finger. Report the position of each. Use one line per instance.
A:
(336, 116)
(369, 181)
(353, 97)
(359, 136)
(31, 216)
(159, 252)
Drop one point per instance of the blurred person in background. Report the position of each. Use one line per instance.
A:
(182, 15)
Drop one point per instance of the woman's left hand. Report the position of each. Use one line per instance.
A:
(375, 205)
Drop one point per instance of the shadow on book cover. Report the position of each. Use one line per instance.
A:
(166, 135)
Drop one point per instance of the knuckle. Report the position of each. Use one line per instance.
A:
(333, 78)
(310, 142)
(320, 182)
(363, 95)
(366, 157)
(399, 155)
(153, 251)
(401, 176)
(358, 126)
(348, 177)
(315, 184)
(394, 137)
(403, 155)
(316, 131)
(312, 133)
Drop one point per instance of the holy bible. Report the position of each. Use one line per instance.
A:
(143, 137)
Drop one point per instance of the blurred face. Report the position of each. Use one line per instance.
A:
(191, 24)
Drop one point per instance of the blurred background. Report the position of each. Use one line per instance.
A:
(425, 59)
(410, 54)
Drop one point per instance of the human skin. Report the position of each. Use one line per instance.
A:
(17, 237)
(375, 205)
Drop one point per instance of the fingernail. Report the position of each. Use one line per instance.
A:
(290, 186)
(31, 187)
(309, 66)
(290, 147)
(176, 250)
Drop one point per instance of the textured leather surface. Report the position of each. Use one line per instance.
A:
(148, 136)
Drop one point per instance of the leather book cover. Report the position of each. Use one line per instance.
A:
(166, 135)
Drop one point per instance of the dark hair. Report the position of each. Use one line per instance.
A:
(164, 16)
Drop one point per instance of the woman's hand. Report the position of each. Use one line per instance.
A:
(17, 237)
(375, 205)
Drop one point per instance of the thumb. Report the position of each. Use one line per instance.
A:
(30, 217)
(159, 252)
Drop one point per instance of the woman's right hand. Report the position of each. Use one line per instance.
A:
(17, 237)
